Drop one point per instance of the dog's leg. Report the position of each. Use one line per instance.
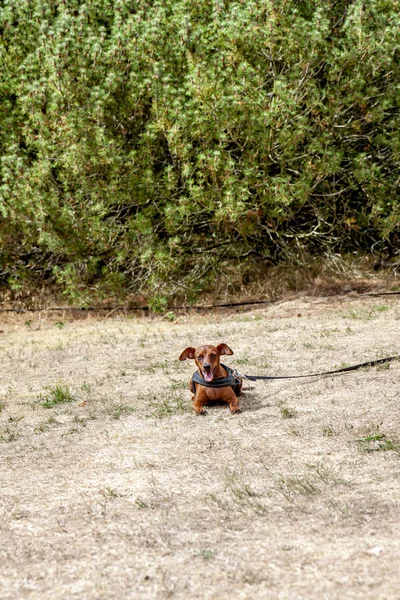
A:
(233, 402)
(199, 400)
(198, 407)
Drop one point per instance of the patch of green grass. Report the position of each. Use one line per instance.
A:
(365, 314)
(308, 345)
(178, 385)
(170, 407)
(57, 394)
(45, 425)
(377, 442)
(170, 316)
(291, 487)
(242, 361)
(119, 410)
(243, 495)
(206, 554)
(381, 307)
(141, 504)
(328, 431)
(163, 366)
(328, 332)
(109, 492)
(287, 412)
(60, 324)
(383, 367)
(42, 427)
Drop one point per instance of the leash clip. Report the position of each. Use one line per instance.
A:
(238, 375)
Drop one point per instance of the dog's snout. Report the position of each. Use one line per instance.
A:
(206, 366)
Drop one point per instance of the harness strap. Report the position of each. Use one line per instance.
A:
(370, 363)
(230, 381)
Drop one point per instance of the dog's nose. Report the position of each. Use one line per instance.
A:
(206, 366)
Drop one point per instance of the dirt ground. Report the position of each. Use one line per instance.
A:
(110, 487)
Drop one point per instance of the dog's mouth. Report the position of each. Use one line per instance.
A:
(208, 375)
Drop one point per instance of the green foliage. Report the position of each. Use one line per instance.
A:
(57, 394)
(145, 144)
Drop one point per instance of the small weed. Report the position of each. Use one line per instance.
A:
(141, 504)
(178, 385)
(118, 410)
(42, 427)
(168, 408)
(45, 425)
(243, 495)
(287, 412)
(163, 366)
(206, 554)
(60, 324)
(328, 332)
(290, 487)
(377, 442)
(265, 365)
(383, 367)
(325, 473)
(243, 361)
(328, 431)
(381, 308)
(111, 493)
(170, 316)
(163, 410)
(86, 387)
(365, 315)
(308, 345)
(294, 431)
(57, 394)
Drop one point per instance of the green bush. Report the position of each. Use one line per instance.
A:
(146, 144)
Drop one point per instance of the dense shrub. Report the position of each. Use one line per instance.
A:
(145, 144)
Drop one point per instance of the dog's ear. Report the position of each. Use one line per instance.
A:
(224, 349)
(187, 353)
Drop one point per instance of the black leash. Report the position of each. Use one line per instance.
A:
(370, 363)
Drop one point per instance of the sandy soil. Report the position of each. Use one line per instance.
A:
(120, 491)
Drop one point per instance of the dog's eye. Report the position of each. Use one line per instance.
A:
(200, 357)
(213, 355)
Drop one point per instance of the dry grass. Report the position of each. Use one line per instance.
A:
(111, 487)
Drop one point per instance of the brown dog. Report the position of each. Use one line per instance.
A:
(213, 381)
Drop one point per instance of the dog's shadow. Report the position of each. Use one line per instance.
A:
(248, 402)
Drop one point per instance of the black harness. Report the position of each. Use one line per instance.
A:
(233, 380)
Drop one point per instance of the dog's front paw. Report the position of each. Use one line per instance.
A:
(234, 411)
